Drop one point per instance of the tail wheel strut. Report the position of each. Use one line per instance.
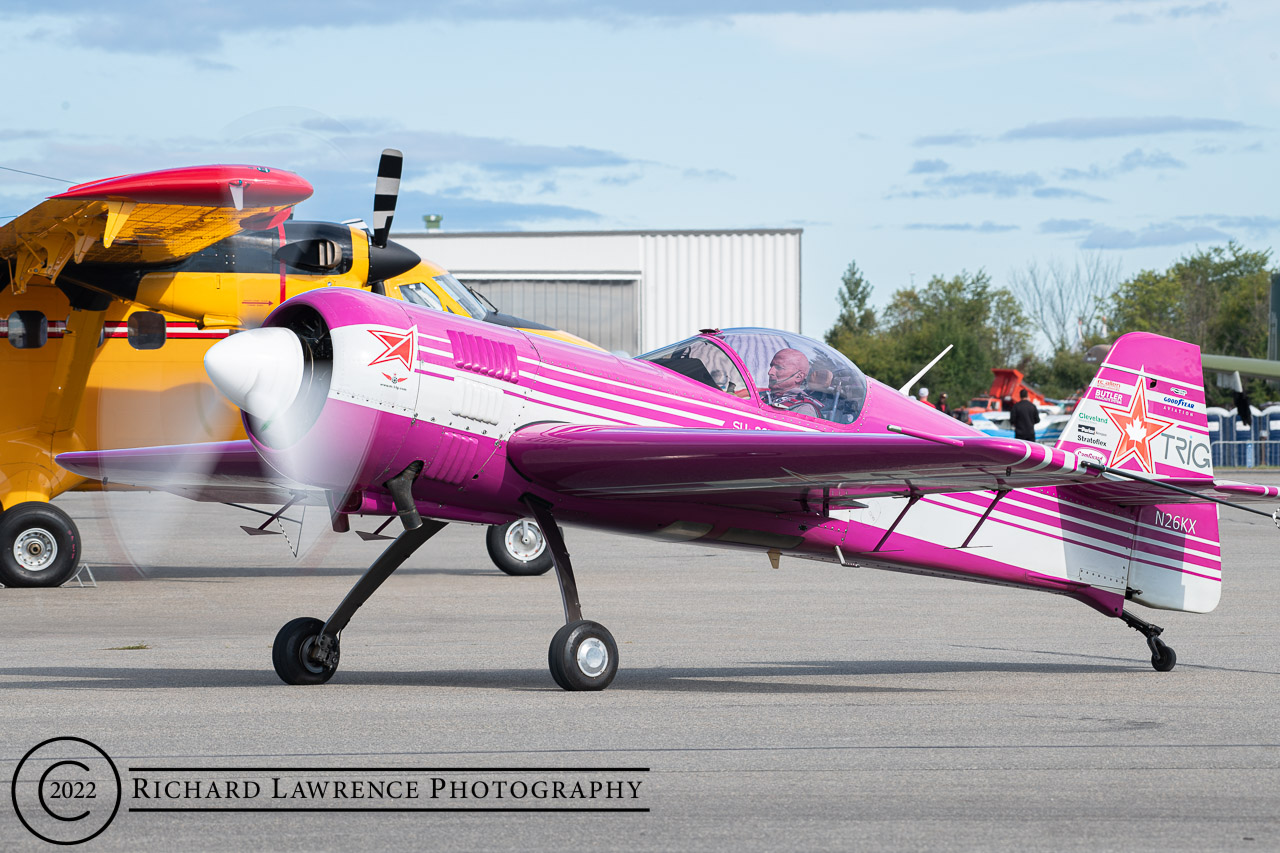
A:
(1163, 656)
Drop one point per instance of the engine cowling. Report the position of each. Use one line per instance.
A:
(312, 404)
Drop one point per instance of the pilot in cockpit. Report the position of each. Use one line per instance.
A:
(788, 372)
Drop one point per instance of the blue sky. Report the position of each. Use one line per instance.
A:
(916, 138)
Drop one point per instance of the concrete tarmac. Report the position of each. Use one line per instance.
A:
(808, 708)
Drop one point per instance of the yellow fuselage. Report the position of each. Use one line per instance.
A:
(75, 393)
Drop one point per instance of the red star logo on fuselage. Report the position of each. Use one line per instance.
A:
(1137, 428)
(400, 346)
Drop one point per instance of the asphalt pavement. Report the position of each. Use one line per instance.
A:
(810, 707)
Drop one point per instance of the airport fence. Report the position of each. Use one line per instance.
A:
(1260, 453)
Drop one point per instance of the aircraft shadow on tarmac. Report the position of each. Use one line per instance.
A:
(780, 677)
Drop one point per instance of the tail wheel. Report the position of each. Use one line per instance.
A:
(1163, 657)
(519, 548)
(39, 546)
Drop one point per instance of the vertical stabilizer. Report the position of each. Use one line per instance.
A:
(1145, 411)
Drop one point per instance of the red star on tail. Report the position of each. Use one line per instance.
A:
(1137, 428)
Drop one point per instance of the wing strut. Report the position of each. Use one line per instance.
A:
(261, 530)
(377, 534)
(911, 501)
(1000, 493)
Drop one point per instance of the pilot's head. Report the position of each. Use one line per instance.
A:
(788, 370)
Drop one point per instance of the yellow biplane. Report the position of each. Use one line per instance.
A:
(112, 292)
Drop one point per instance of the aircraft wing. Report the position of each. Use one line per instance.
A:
(1259, 367)
(604, 461)
(779, 469)
(149, 218)
(759, 468)
(218, 472)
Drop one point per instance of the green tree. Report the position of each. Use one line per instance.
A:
(1065, 372)
(1215, 298)
(985, 324)
(855, 317)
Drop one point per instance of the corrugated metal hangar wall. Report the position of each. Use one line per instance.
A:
(629, 290)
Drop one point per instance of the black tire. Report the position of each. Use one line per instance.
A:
(39, 545)
(294, 639)
(1163, 657)
(517, 557)
(583, 656)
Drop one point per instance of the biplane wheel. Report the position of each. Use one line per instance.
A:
(39, 545)
(289, 653)
(1162, 657)
(519, 548)
(583, 656)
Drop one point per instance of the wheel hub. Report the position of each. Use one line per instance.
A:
(308, 656)
(593, 657)
(525, 541)
(35, 550)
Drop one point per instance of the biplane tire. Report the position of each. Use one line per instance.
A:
(289, 648)
(1162, 657)
(39, 545)
(583, 656)
(519, 548)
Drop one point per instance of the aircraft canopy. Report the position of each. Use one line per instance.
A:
(809, 378)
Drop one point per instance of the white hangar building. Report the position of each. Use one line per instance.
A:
(628, 290)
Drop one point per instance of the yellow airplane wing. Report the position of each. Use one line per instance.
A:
(149, 218)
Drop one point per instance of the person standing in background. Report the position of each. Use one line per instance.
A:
(1024, 418)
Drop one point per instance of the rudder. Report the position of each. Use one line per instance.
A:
(1144, 411)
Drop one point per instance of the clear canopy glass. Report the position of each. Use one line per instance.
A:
(788, 372)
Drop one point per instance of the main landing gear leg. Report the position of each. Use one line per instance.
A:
(583, 654)
(306, 650)
(1162, 657)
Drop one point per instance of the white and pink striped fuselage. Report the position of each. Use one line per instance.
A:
(451, 392)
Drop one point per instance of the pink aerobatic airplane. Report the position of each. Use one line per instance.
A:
(379, 407)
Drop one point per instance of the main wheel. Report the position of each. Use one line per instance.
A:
(39, 545)
(583, 656)
(519, 548)
(289, 653)
(1162, 657)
